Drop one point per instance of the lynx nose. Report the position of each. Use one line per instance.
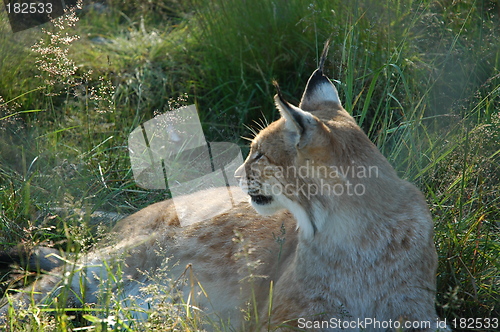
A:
(240, 172)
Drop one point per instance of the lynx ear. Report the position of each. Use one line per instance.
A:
(319, 88)
(299, 123)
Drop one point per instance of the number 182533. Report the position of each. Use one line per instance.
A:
(29, 8)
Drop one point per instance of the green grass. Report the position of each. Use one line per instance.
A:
(421, 77)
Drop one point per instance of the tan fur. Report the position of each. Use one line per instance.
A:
(330, 256)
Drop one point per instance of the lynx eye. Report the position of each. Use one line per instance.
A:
(258, 156)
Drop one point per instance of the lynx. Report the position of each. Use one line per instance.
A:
(340, 241)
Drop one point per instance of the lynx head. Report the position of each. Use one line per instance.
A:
(314, 161)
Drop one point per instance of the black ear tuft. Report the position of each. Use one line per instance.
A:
(278, 90)
(323, 56)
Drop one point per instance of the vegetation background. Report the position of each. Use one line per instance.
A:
(420, 76)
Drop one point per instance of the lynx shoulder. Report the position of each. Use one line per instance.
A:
(340, 240)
